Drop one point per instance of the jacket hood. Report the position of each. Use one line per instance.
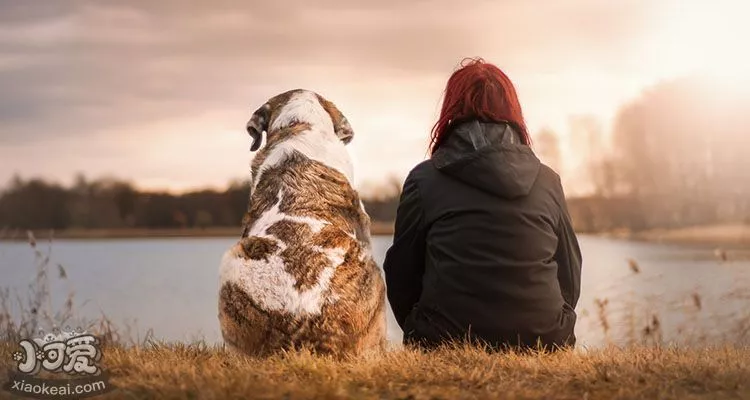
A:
(490, 157)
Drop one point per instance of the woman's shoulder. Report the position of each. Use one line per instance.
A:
(548, 174)
(423, 167)
(550, 182)
(421, 171)
(421, 176)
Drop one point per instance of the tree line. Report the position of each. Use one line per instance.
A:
(676, 156)
(109, 203)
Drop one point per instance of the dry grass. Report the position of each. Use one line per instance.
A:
(179, 371)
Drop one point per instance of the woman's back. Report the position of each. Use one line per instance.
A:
(483, 244)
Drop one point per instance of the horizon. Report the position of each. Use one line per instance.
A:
(369, 189)
(159, 94)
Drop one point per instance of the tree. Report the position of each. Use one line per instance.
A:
(124, 197)
(203, 219)
(587, 137)
(35, 204)
(548, 148)
(679, 149)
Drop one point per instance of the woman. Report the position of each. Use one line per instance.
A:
(483, 246)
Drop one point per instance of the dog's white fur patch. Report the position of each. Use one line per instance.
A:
(318, 143)
(302, 106)
(267, 282)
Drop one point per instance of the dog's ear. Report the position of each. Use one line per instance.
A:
(341, 125)
(258, 124)
(343, 130)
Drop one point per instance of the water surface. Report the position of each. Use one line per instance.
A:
(170, 285)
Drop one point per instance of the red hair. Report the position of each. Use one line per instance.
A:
(478, 90)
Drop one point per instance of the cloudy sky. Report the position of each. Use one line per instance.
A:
(158, 92)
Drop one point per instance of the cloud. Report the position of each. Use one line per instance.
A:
(72, 70)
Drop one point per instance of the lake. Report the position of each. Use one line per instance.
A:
(170, 286)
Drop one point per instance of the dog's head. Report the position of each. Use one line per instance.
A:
(297, 107)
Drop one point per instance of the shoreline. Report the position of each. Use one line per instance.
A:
(377, 228)
(732, 236)
(726, 235)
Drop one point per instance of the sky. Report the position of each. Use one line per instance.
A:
(159, 92)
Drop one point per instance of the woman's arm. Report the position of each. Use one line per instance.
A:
(568, 256)
(404, 261)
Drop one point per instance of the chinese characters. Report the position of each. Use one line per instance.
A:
(71, 352)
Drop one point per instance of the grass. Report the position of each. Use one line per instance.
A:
(180, 371)
(145, 368)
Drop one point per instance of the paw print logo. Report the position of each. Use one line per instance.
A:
(40, 355)
(17, 356)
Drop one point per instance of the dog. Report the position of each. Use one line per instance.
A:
(302, 274)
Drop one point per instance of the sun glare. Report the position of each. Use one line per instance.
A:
(707, 38)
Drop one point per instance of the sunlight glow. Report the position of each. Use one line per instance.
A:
(708, 38)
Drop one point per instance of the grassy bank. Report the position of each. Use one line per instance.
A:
(180, 371)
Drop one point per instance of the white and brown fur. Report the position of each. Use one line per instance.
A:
(302, 274)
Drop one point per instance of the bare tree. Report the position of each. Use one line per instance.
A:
(588, 142)
(547, 146)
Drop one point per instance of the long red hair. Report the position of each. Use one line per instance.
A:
(478, 90)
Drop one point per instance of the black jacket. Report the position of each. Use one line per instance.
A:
(483, 245)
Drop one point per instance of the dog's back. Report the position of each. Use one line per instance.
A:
(302, 274)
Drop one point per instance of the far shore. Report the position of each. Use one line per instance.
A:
(734, 235)
(726, 235)
(377, 228)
